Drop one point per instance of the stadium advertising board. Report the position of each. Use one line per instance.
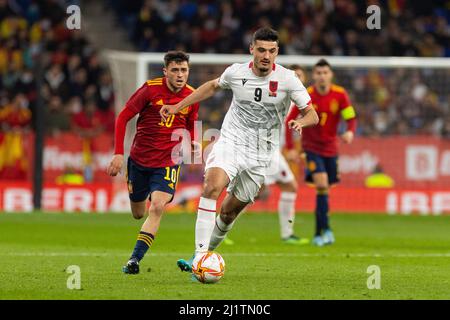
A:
(103, 197)
(418, 166)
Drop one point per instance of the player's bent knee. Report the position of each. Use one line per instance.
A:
(321, 184)
(211, 191)
(289, 187)
(157, 208)
(138, 210)
(294, 186)
(322, 188)
(138, 214)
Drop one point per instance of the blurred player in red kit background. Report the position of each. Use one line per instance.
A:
(320, 143)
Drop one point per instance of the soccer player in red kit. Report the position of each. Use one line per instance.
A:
(153, 166)
(320, 142)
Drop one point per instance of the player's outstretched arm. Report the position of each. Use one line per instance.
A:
(203, 92)
(134, 105)
(115, 166)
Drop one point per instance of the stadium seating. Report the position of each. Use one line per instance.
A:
(306, 27)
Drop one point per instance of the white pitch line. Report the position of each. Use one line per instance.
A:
(236, 254)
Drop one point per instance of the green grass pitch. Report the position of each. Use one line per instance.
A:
(412, 252)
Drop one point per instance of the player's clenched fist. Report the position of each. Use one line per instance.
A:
(347, 137)
(115, 166)
(167, 110)
(297, 126)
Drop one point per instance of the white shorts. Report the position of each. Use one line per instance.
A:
(246, 175)
(279, 170)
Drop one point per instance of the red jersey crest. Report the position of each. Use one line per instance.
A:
(273, 87)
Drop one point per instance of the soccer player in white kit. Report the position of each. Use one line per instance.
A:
(250, 134)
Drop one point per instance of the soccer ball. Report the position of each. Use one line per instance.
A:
(208, 267)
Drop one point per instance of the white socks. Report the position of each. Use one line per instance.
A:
(286, 213)
(204, 226)
(220, 231)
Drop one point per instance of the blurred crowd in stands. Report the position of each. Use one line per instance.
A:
(388, 102)
(395, 101)
(77, 89)
(314, 27)
(400, 101)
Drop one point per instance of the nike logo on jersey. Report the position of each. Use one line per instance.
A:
(244, 81)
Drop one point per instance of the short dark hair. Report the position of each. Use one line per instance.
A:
(177, 56)
(322, 63)
(265, 34)
(297, 67)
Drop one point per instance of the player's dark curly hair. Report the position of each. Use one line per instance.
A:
(265, 34)
(177, 56)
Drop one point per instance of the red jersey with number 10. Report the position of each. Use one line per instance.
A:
(154, 145)
(331, 107)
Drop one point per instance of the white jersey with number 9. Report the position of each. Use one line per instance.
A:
(251, 129)
(259, 107)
